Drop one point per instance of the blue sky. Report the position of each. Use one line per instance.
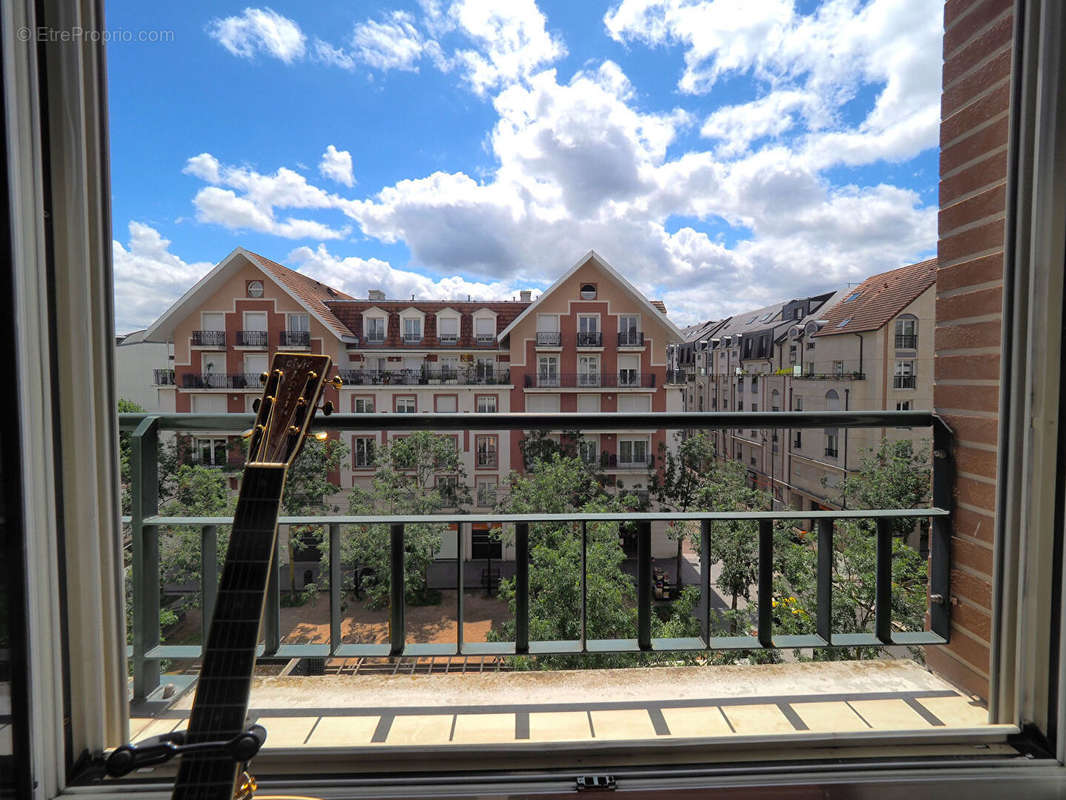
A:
(721, 154)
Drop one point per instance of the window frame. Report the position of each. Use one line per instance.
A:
(396, 398)
(370, 445)
(495, 403)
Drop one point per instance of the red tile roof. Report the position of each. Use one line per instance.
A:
(659, 304)
(350, 314)
(878, 299)
(310, 292)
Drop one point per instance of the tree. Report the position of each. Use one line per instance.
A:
(407, 481)
(895, 475)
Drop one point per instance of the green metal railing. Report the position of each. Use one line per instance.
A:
(145, 520)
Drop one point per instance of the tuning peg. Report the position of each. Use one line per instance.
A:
(263, 377)
(336, 382)
(255, 405)
(327, 408)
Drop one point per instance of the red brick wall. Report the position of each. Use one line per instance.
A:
(973, 162)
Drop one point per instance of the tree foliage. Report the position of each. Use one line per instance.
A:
(405, 483)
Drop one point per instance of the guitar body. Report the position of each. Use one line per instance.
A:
(220, 706)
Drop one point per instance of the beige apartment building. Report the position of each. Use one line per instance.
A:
(866, 347)
(590, 342)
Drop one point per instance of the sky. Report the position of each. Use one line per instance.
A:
(721, 154)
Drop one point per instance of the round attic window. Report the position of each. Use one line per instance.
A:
(588, 291)
(255, 288)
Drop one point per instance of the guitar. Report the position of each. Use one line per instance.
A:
(220, 706)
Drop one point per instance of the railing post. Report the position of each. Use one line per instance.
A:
(144, 467)
(521, 599)
(272, 607)
(883, 602)
(825, 579)
(334, 587)
(766, 582)
(705, 576)
(940, 533)
(208, 577)
(644, 582)
(397, 633)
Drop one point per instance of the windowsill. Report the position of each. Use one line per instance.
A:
(362, 718)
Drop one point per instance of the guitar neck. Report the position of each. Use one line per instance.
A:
(220, 707)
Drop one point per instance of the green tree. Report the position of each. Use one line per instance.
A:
(895, 475)
(417, 474)
(677, 485)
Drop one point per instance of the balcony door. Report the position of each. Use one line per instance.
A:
(255, 364)
(255, 321)
(213, 321)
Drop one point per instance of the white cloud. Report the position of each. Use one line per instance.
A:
(325, 53)
(148, 277)
(337, 165)
(260, 30)
(394, 43)
(204, 166)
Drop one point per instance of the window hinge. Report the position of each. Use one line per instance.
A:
(596, 783)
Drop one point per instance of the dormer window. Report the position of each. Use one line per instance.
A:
(255, 288)
(588, 291)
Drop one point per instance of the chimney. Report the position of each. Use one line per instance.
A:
(526, 295)
(376, 294)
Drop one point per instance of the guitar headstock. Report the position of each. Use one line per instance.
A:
(285, 411)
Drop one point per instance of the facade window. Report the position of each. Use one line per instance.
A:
(212, 452)
(740, 386)
(754, 460)
(486, 491)
(810, 345)
(628, 370)
(447, 486)
(903, 405)
(588, 330)
(792, 354)
(838, 368)
(906, 333)
(412, 329)
(589, 450)
(832, 400)
(363, 405)
(446, 403)
(775, 400)
(487, 404)
(904, 376)
(405, 403)
(832, 437)
(588, 370)
(754, 383)
(448, 330)
(797, 441)
(363, 452)
(629, 330)
(484, 330)
(797, 402)
(484, 545)
(633, 452)
(548, 371)
(375, 329)
(485, 447)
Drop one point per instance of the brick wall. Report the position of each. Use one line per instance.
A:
(973, 163)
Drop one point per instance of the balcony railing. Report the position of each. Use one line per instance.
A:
(251, 338)
(631, 339)
(294, 339)
(470, 376)
(448, 339)
(904, 382)
(549, 338)
(412, 338)
(163, 377)
(145, 521)
(906, 341)
(485, 339)
(208, 338)
(221, 380)
(674, 376)
(589, 339)
(375, 337)
(587, 380)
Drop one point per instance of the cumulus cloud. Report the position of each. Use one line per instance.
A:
(148, 277)
(393, 43)
(337, 165)
(260, 31)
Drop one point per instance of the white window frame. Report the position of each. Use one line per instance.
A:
(451, 316)
(365, 459)
(213, 442)
(588, 370)
(550, 376)
(302, 316)
(370, 318)
(363, 400)
(404, 400)
(495, 403)
(588, 449)
(548, 323)
(631, 443)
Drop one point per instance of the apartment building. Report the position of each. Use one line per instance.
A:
(590, 342)
(867, 346)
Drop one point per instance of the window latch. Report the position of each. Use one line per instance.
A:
(596, 783)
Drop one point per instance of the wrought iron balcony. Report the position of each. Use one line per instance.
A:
(163, 377)
(549, 338)
(466, 375)
(906, 341)
(251, 338)
(675, 376)
(375, 337)
(589, 339)
(485, 339)
(631, 339)
(294, 339)
(221, 380)
(146, 524)
(904, 382)
(590, 380)
(448, 339)
(412, 338)
(208, 338)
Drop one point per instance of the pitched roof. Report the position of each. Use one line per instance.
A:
(306, 291)
(659, 304)
(658, 312)
(310, 293)
(696, 332)
(878, 299)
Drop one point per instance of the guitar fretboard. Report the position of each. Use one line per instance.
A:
(221, 703)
